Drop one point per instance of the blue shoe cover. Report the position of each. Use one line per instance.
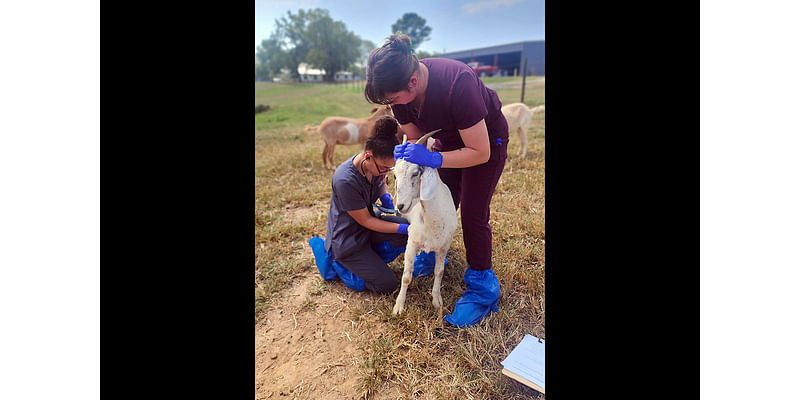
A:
(388, 252)
(483, 292)
(322, 258)
(425, 263)
(350, 279)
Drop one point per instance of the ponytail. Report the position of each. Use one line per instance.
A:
(384, 137)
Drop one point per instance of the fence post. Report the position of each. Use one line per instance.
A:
(524, 73)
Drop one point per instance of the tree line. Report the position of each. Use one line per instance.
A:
(313, 37)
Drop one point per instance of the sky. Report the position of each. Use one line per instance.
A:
(455, 25)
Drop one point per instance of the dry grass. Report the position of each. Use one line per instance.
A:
(412, 355)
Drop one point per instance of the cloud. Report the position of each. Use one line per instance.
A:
(478, 6)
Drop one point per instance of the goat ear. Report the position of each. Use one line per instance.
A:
(429, 184)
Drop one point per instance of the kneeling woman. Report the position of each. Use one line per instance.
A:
(358, 243)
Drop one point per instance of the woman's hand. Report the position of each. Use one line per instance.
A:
(386, 201)
(402, 229)
(419, 154)
(399, 150)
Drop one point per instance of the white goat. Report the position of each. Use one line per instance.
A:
(426, 202)
(518, 116)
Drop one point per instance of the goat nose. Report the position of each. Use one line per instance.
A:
(400, 206)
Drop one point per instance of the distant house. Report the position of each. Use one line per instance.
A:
(308, 74)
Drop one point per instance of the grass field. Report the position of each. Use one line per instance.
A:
(384, 356)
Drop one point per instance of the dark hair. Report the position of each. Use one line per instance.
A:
(389, 68)
(381, 143)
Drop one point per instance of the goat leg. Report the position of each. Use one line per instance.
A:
(325, 151)
(408, 269)
(330, 156)
(438, 272)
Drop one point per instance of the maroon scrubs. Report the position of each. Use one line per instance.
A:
(457, 99)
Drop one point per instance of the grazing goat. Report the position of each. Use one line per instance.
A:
(342, 130)
(518, 116)
(426, 202)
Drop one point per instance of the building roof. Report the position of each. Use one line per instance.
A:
(500, 48)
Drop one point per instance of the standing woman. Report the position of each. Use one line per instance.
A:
(439, 93)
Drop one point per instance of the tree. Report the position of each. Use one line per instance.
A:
(414, 26)
(331, 46)
(271, 58)
(290, 32)
(366, 47)
(315, 38)
(425, 54)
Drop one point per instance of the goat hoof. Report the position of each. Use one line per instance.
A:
(397, 310)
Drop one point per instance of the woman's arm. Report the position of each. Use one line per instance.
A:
(365, 219)
(412, 132)
(476, 149)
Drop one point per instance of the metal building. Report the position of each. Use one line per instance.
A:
(509, 58)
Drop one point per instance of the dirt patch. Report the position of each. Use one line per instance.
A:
(306, 345)
(295, 214)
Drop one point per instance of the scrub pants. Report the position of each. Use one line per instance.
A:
(369, 266)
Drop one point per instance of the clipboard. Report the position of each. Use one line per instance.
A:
(525, 363)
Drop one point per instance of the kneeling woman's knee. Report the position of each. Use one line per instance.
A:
(386, 284)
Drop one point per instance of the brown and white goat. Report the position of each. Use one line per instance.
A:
(343, 130)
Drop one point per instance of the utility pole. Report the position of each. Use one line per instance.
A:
(524, 72)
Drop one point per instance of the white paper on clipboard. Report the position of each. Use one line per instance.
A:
(527, 360)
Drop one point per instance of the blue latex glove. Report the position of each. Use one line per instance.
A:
(398, 151)
(402, 228)
(419, 154)
(483, 292)
(386, 201)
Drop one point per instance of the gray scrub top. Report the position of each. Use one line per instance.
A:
(349, 191)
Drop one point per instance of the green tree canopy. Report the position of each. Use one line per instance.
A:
(271, 58)
(414, 26)
(332, 47)
(366, 47)
(290, 33)
(311, 37)
(425, 54)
